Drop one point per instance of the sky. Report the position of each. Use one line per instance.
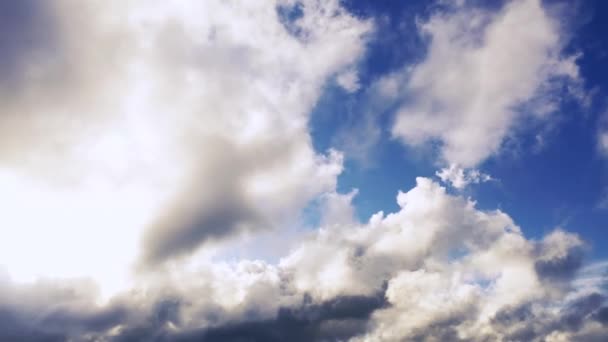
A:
(303, 170)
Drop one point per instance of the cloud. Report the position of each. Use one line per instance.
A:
(168, 127)
(438, 268)
(603, 142)
(333, 320)
(192, 128)
(561, 255)
(602, 135)
(459, 178)
(349, 80)
(338, 208)
(482, 76)
(54, 310)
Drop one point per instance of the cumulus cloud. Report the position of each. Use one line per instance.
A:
(130, 140)
(181, 123)
(437, 269)
(484, 72)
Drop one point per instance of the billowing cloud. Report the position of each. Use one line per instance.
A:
(437, 269)
(168, 125)
(484, 72)
(133, 134)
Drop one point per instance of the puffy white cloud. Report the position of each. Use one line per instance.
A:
(181, 123)
(484, 72)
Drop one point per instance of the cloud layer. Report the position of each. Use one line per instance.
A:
(438, 269)
(136, 137)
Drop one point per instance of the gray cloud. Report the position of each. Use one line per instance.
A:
(561, 256)
(206, 210)
(558, 269)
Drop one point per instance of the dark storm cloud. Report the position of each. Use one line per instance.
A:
(602, 315)
(517, 322)
(154, 326)
(15, 327)
(57, 325)
(575, 315)
(336, 319)
(510, 316)
(523, 323)
(559, 269)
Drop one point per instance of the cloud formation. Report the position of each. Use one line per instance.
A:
(437, 269)
(172, 122)
(484, 73)
(135, 136)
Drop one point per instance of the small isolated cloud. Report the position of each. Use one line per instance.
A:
(460, 178)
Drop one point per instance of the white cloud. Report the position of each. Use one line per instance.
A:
(480, 67)
(349, 80)
(338, 208)
(181, 123)
(459, 178)
(602, 141)
(438, 268)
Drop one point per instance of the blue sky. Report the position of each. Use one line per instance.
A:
(561, 183)
(303, 170)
